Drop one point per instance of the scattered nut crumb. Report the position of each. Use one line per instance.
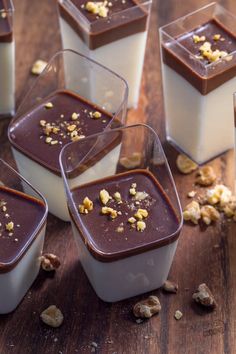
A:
(185, 165)
(104, 196)
(178, 315)
(140, 214)
(74, 116)
(48, 105)
(141, 196)
(132, 220)
(52, 316)
(86, 206)
(97, 8)
(10, 226)
(192, 212)
(170, 286)
(50, 262)
(219, 194)
(141, 226)
(192, 194)
(117, 196)
(109, 211)
(206, 176)
(96, 115)
(132, 191)
(216, 37)
(198, 39)
(204, 296)
(38, 67)
(147, 308)
(209, 214)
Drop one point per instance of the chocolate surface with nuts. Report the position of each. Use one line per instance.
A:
(133, 223)
(20, 216)
(61, 118)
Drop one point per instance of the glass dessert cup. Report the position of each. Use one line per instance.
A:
(7, 60)
(63, 106)
(120, 256)
(23, 222)
(117, 41)
(198, 90)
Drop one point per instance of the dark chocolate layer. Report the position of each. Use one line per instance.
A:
(29, 136)
(6, 34)
(115, 26)
(26, 214)
(111, 239)
(194, 69)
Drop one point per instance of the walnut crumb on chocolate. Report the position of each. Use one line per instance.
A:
(96, 115)
(74, 116)
(10, 226)
(104, 196)
(132, 220)
(86, 206)
(140, 214)
(109, 211)
(48, 105)
(216, 37)
(141, 226)
(97, 8)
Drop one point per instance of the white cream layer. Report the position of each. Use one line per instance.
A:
(7, 78)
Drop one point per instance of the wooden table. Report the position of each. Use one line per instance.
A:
(202, 256)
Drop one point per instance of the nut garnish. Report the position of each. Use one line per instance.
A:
(38, 67)
(104, 196)
(48, 105)
(97, 8)
(198, 39)
(147, 308)
(178, 315)
(219, 194)
(109, 211)
(96, 115)
(132, 191)
(132, 220)
(86, 206)
(192, 212)
(10, 226)
(50, 262)
(216, 37)
(209, 214)
(209, 54)
(141, 196)
(74, 116)
(140, 214)
(141, 226)
(117, 196)
(204, 296)
(206, 176)
(131, 161)
(185, 164)
(170, 286)
(52, 316)
(192, 194)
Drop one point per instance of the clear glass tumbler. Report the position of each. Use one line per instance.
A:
(110, 179)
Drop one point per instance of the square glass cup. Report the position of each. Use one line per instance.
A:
(197, 92)
(7, 60)
(19, 258)
(67, 72)
(117, 41)
(120, 256)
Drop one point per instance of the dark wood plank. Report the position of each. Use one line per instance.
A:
(88, 319)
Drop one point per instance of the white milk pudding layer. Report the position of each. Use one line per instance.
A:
(51, 185)
(128, 277)
(124, 56)
(200, 125)
(7, 74)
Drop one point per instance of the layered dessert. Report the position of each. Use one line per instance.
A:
(112, 32)
(7, 60)
(38, 137)
(199, 78)
(22, 229)
(126, 229)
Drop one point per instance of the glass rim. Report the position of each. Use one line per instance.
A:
(37, 230)
(75, 11)
(193, 57)
(127, 127)
(50, 62)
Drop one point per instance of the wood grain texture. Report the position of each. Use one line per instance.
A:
(88, 319)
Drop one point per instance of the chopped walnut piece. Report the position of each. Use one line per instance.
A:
(54, 142)
(71, 127)
(198, 39)
(192, 194)
(132, 191)
(132, 220)
(211, 55)
(48, 140)
(204, 296)
(10, 226)
(192, 212)
(178, 315)
(117, 196)
(42, 123)
(109, 211)
(185, 165)
(141, 196)
(209, 214)
(97, 8)
(206, 176)
(141, 226)
(170, 286)
(96, 115)
(86, 206)
(52, 316)
(216, 37)
(219, 194)
(230, 208)
(74, 116)
(38, 67)
(141, 213)
(147, 308)
(104, 196)
(50, 262)
(48, 105)
(131, 161)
